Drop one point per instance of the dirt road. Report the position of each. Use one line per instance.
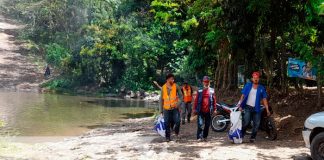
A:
(134, 139)
(17, 72)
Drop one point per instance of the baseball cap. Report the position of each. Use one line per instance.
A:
(256, 74)
(206, 78)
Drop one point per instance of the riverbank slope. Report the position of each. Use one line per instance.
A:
(18, 72)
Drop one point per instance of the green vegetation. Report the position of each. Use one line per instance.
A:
(117, 44)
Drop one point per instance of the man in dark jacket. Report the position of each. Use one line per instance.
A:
(204, 106)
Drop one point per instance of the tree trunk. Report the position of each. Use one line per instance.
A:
(197, 79)
(319, 85)
(225, 68)
(283, 71)
(319, 93)
(300, 85)
(230, 73)
(219, 74)
(162, 72)
(271, 57)
(245, 70)
(235, 75)
(216, 76)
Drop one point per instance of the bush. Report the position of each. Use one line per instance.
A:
(59, 84)
(56, 55)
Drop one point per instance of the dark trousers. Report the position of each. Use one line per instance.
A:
(186, 111)
(171, 116)
(248, 115)
(203, 121)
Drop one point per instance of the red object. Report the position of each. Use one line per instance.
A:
(205, 101)
(206, 79)
(256, 74)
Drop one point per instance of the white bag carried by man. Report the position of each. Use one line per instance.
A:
(235, 132)
(159, 126)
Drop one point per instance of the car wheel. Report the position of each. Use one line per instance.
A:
(317, 147)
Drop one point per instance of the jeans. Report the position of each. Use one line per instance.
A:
(171, 116)
(204, 120)
(186, 111)
(248, 115)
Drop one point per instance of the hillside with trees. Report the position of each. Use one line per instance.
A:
(128, 44)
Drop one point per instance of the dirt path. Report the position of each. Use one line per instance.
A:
(17, 72)
(134, 139)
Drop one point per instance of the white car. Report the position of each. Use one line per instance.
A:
(313, 134)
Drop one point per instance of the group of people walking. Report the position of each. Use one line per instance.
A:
(176, 106)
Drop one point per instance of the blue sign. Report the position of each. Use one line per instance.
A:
(301, 69)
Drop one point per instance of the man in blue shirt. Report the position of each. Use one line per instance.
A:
(250, 102)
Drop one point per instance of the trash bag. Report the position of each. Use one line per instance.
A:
(159, 126)
(235, 132)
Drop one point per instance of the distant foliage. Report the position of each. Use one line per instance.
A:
(129, 43)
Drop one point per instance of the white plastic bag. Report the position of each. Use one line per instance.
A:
(235, 132)
(159, 126)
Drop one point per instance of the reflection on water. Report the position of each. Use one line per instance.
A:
(30, 114)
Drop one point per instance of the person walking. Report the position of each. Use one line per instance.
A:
(47, 71)
(250, 103)
(170, 101)
(186, 105)
(204, 107)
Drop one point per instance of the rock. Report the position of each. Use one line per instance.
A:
(142, 94)
(153, 97)
(122, 92)
(127, 97)
(132, 94)
(138, 94)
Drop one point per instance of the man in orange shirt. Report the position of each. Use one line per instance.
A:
(170, 100)
(186, 105)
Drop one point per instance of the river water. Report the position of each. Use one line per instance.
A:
(32, 114)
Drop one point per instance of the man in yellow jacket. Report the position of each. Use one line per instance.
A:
(170, 102)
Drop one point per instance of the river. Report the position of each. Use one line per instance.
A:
(33, 114)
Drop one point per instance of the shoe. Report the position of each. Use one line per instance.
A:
(188, 121)
(183, 122)
(199, 140)
(168, 139)
(252, 140)
(205, 139)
